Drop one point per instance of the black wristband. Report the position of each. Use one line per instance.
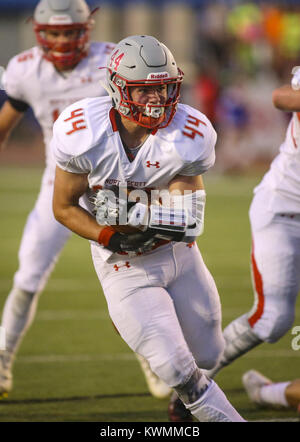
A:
(18, 105)
(129, 243)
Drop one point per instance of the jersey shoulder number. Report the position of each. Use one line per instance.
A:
(192, 127)
(77, 121)
(195, 136)
(25, 56)
(82, 124)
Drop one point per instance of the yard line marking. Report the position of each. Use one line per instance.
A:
(276, 353)
(63, 284)
(63, 315)
(102, 314)
(41, 359)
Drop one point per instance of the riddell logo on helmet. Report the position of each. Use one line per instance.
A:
(60, 20)
(159, 76)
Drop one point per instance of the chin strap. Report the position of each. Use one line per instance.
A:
(105, 86)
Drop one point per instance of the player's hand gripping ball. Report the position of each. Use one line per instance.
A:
(112, 208)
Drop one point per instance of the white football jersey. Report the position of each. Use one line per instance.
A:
(283, 178)
(34, 80)
(86, 140)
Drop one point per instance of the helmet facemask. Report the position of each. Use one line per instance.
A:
(72, 51)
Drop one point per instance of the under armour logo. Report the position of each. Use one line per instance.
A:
(191, 244)
(153, 164)
(86, 80)
(116, 267)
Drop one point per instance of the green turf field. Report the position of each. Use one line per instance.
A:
(72, 366)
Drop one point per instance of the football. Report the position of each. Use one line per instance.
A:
(129, 195)
(124, 209)
(125, 229)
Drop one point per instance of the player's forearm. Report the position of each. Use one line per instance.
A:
(9, 118)
(4, 135)
(286, 99)
(78, 220)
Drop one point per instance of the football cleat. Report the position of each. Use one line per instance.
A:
(158, 388)
(253, 381)
(5, 375)
(177, 411)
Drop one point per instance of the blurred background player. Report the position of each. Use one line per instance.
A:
(63, 68)
(265, 393)
(275, 258)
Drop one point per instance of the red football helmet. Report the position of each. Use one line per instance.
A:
(63, 15)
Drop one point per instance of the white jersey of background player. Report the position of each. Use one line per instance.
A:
(53, 91)
(61, 70)
(163, 300)
(275, 258)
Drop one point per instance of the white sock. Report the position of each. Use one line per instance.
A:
(239, 339)
(213, 406)
(274, 394)
(19, 311)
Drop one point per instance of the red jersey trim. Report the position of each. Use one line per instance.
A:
(258, 282)
(292, 133)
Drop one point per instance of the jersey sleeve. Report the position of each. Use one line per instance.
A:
(196, 142)
(63, 146)
(206, 158)
(67, 162)
(12, 80)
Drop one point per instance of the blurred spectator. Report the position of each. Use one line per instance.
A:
(243, 51)
(240, 51)
(206, 94)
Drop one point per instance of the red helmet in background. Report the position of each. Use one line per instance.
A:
(63, 15)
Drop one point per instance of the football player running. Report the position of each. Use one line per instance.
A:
(62, 69)
(275, 258)
(160, 295)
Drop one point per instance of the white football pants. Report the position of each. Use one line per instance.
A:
(42, 241)
(166, 307)
(275, 269)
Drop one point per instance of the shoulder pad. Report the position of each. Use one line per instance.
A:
(24, 60)
(81, 125)
(101, 49)
(18, 69)
(192, 133)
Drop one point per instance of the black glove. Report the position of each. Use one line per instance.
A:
(165, 235)
(133, 242)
